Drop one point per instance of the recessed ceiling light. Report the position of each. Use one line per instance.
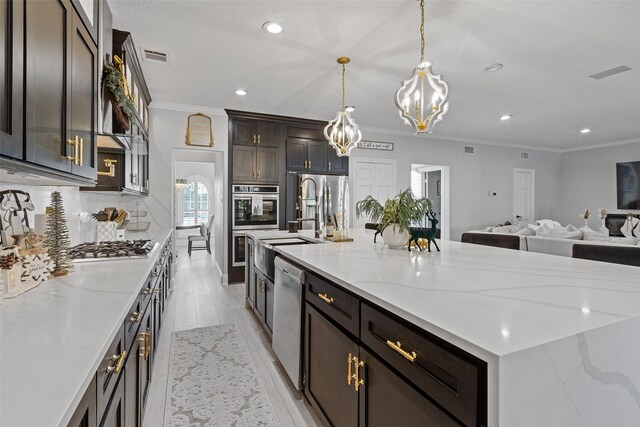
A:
(493, 68)
(505, 117)
(241, 92)
(350, 109)
(585, 130)
(272, 27)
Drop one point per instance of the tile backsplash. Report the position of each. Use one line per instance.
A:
(76, 201)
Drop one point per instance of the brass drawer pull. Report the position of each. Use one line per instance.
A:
(142, 339)
(135, 318)
(326, 298)
(147, 291)
(258, 138)
(356, 377)
(119, 359)
(254, 138)
(349, 360)
(147, 344)
(411, 357)
(111, 164)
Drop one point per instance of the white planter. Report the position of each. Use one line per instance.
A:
(393, 237)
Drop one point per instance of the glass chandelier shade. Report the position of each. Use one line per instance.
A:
(423, 99)
(342, 132)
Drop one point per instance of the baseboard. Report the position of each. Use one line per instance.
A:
(224, 278)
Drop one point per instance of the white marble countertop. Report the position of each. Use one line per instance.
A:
(281, 234)
(493, 300)
(54, 337)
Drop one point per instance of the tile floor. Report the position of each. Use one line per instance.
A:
(199, 300)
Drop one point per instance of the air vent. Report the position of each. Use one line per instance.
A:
(469, 150)
(524, 155)
(152, 55)
(610, 72)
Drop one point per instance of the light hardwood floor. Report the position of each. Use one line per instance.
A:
(199, 300)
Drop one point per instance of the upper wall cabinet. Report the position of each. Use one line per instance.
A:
(59, 93)
(309, 152)
(255, 132)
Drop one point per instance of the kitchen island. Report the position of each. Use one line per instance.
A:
(58, 341)
(540, 340)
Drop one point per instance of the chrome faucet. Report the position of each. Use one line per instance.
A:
(316, 218)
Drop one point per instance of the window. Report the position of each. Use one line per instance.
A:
(195, 203)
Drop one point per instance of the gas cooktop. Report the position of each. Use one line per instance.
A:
(107, 251)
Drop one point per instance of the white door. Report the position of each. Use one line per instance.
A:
(524, 194)
(377, 179)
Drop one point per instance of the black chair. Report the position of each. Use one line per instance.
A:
(204, 236)
(490, 239)
(604, 253)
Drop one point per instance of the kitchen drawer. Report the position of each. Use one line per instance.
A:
(339, 305)
(132, 321)
(109, 371)
(450, 376)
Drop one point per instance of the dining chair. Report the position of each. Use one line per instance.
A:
(204, 236)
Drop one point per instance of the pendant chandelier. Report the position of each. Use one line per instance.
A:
(422, 100)
(342, 132)
(181, 184)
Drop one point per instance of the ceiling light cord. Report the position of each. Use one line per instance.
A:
(422, 31)
(343, 105)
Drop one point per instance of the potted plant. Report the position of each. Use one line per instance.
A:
(396, 216)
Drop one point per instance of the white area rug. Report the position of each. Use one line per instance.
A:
(213, 381)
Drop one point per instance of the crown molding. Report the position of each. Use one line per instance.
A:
(407, 133)
(603, 145)
(187, 108)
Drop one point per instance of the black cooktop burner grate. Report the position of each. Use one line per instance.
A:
(119, 249)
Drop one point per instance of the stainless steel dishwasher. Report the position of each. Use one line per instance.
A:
(287, 318)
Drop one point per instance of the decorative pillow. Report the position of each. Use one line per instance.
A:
(506, 229)
(631, 228)
(551, 223)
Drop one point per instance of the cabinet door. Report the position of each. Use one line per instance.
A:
(327, 351)
(267, 134)
(386, 399)
(244, 164)
(86, 414)
(261, 296)
(132, 390)
(296, 154)
(268, 317)
(244, 132)
(114, 415)
(336, 165)
(11, 78)
(143, 169)
(47, 63)
(317, 156)
(133, 175)
(84, 98)
(267, 164)
(250, 279)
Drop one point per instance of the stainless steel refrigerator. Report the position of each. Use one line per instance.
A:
(332, 197)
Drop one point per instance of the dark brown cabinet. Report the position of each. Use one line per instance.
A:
(244, 164)
(314, 156)
(255, 132)
(386, 399)
(49, 73)
(114, 415)
(137, 372)
(336, 165)
(250, 274)
(86, 414)
(255, 164)
(263, 302)
(329, 361)
(267, 164)
(11, 78)
(317, 156)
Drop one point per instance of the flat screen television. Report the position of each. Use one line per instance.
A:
(628, 177)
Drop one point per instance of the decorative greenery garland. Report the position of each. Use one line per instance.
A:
(113, 80)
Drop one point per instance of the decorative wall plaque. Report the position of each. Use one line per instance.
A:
(199, 131)
(375, 145)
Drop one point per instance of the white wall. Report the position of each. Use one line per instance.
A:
(588, 180)
(472, 176)
(168, 126)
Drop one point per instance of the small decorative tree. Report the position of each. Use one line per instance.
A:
(57, 237)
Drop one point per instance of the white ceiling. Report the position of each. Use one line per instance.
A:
(548, 48)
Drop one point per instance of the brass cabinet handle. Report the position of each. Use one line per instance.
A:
(326, 298)
(147, 344)
(411, 357)
(119, 359)
(254, 138)
(142, 339)
(329, 165)
(305, 163)
(259, 174)
(81, 155)
(76, 148)
(349, 360)
(258, 138)
(147, 291)
(111, 164)
(309, 164)
(356, 377)
(136, 317)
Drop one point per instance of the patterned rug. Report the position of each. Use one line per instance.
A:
(213, 381)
